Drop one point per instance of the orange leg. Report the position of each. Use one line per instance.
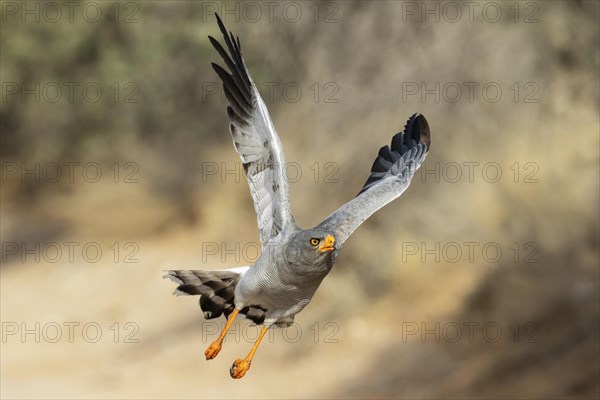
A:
(215, 347)
(240, 367)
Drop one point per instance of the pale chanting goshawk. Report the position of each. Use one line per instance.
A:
(294, 261)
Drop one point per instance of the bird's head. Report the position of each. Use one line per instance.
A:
(311, 246)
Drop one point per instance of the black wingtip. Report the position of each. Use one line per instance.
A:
(422, 128)
(416, 130)
(221, 24)
(416, 133)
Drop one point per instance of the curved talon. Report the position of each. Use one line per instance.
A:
(239, 368)
(212, 350)
(215, 347)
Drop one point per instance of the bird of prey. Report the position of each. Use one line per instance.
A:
(294, 261)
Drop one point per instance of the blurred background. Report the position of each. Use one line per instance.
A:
(481, 281)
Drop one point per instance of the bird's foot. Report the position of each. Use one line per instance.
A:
(239, 368)
(212, 350)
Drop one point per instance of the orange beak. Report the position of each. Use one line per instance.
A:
(327, 244)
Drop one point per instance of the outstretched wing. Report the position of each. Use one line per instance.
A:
(391, 174)
(255, 140)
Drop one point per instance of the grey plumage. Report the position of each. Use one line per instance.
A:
(294, 261)
(255, 140)
(390, 176)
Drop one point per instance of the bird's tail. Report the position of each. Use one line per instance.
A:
(216, 290)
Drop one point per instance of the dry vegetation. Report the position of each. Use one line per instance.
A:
(377, 292)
